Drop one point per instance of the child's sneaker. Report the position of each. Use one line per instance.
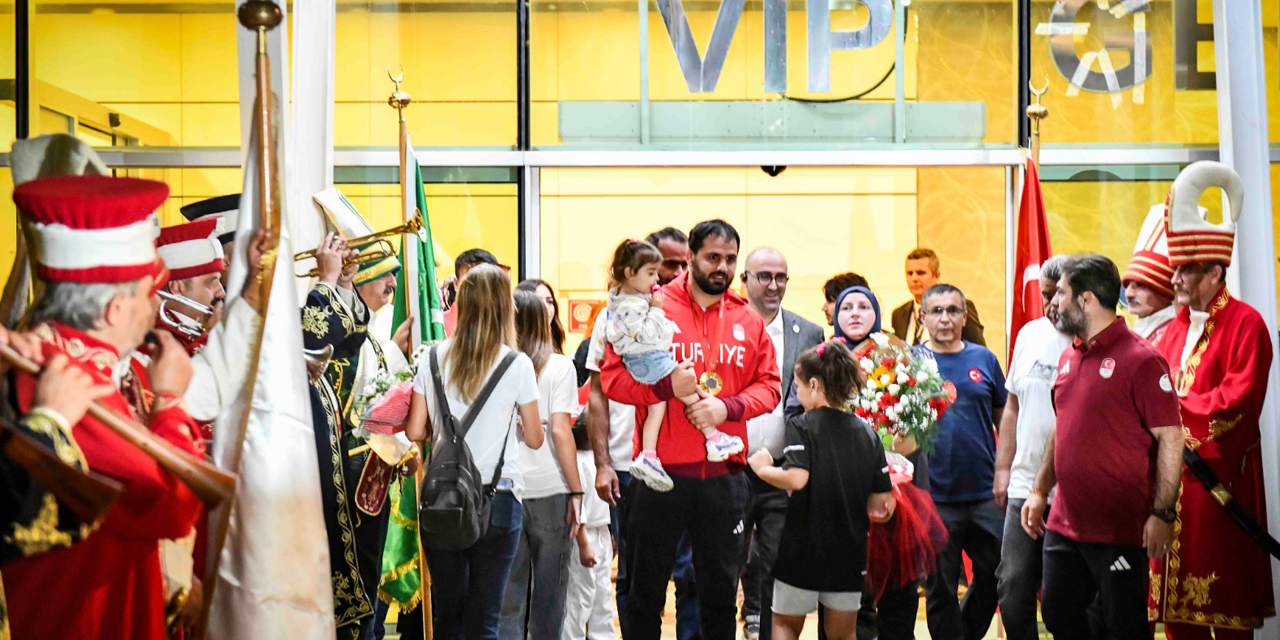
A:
(648, 469)
(722, 445)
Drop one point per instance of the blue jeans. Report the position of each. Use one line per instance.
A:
(470, 606)
(648, 367)
(534, 603)
(688, 616)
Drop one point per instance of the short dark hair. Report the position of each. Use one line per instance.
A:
(922, 253)
(1096, 274)
(472, 257)
(841, 281)
(708, 228)
(667, 233)
(943, 289)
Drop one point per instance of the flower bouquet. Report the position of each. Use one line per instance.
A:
(903, 396)
(380, 410)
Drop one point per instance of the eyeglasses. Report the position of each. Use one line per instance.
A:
(954, 312)
(672, 264)
(767, 278)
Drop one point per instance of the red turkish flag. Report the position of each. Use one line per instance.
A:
(1032, 250)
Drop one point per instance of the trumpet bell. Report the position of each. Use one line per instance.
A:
(189, 317)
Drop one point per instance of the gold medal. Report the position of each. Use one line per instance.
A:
(711, 383)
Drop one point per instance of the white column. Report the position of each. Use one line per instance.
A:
(1242, 131)
(311, 165)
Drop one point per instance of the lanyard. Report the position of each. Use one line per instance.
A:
(710, 351)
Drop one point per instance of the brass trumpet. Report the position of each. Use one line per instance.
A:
(385, 248)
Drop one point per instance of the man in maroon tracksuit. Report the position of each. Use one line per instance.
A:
(727, 360)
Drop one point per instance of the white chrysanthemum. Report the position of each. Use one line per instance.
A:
(880, 339)
(903, 377)
(871, 385)
(867, 365)
(885, 379)
(894, 389)
(922, 376)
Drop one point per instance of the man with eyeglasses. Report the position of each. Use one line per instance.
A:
(765, 279)
(962, 470)
(673, 244)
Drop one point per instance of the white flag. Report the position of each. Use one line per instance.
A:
(273, 576)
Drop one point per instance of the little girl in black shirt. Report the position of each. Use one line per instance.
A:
(834, 465)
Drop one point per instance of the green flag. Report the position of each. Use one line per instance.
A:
(419, 297)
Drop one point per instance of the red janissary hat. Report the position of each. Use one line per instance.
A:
(1150, 262)
(1192, 238)
(191, 249)
(93, 229)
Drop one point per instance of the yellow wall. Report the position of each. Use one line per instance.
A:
(824, 221)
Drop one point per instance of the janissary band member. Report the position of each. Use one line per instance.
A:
(337, 313)
(93, 247)
(329, 321)
(1148, 281)
(1216, 577)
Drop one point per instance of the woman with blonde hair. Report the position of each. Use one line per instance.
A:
(470, 604)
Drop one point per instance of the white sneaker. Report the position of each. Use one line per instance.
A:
(721, 448)
(648, 469)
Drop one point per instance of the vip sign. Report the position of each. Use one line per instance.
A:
(1122, 26)
(702, 72)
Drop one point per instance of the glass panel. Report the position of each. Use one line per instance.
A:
(765, 78)
(8, 224)
(463, 214)
(824, 220)
(160, 73)
(8, 116)
(459, 62)
(1121, 78)
(1271, 53)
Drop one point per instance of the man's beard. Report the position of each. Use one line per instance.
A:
(1070, 323)
(705, 283)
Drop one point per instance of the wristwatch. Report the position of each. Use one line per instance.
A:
(1168, 514)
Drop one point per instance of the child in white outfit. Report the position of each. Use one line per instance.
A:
(641, 335)
(587, 611)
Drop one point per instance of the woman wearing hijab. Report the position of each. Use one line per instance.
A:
(857, 318)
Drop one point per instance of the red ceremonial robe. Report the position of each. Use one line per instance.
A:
(109, 585)
(1215, 574)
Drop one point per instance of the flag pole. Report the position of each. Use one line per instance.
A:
(259, 16)
(1037, 112)
(398, 100)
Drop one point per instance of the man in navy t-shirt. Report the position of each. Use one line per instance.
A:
(962, 470)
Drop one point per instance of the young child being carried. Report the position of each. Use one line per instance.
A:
(641, 335)
(834, 465)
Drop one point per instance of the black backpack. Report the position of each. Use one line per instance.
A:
(453, 512)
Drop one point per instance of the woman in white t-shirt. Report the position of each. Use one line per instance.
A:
(534, 604)
(467, 600)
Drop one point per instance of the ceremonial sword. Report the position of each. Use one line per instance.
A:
(1209, 479)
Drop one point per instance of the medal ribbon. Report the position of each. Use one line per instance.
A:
(710, 352)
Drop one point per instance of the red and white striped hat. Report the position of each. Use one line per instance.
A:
(1192, 238)
(191, 249)
(1150, 262)
(93, 229)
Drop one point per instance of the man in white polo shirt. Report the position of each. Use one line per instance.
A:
(611, 427)
(1025, 428)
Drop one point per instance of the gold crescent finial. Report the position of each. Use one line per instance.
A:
(398, 99)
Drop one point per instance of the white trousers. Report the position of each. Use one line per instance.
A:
(587, 611)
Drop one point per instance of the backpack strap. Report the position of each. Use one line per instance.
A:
(442, 400)
(492, 383)
(502, 457)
